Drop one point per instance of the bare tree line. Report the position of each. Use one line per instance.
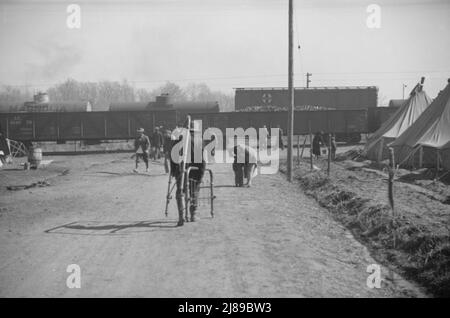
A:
(101, 94)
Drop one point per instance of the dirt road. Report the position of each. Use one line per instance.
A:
(266, 241)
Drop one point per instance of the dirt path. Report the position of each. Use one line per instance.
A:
(266, 241)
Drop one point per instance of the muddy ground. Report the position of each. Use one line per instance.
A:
(270, 240)
(414, 239)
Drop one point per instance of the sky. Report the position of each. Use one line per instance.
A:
(227, 43)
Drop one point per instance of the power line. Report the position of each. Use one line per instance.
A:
(318, 78)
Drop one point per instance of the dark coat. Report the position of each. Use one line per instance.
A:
(157, 139)
(196, 174)
(317, 142)
(167, 142)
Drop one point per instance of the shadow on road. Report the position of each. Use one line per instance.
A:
(102, 228)
(224, 186)
(127, 174)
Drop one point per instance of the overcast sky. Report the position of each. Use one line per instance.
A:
(226, 43)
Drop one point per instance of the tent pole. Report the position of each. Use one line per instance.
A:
(391, 192)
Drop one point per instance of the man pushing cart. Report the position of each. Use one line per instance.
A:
(188, 174)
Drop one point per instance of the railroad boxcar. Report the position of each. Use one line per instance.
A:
(377, 116)
(337, 121)
(163, 102)
(64, 126)
(328, 97)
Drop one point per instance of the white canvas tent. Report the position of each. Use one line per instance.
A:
(426, 143)
(376, 147)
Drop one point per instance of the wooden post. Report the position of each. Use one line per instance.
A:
(298, 149)
(303, 147)
(391, 191)
(392, 158)
(290, 128)
(329, 154)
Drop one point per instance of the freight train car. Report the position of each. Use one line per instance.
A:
(337, 121)
(108, 125)
(326, 97)
(93, 126)
(163, 102)
(377, 116)
(122, 119)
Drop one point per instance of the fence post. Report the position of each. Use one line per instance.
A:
(391, 191)
(303, 147)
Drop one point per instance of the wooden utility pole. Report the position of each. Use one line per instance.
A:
(308, 75)
(290, 126)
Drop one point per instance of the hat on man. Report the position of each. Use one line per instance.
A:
(140, 130)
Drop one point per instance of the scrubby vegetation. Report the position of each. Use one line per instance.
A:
(416, 250)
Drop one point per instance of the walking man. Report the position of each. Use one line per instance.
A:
(157, 142)
(333, 147)
(141, 148)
